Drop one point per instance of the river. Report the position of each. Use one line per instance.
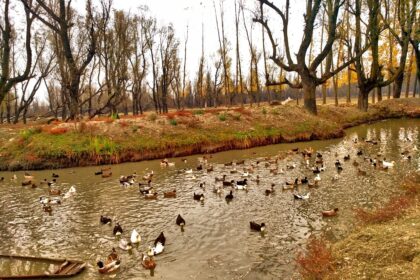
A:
(217, 242)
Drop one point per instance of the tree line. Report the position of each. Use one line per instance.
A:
(110, 61)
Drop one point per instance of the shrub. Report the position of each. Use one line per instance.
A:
(394, 208)
(173, 122)
(317, 262)
(115, 116)
(198, 112)
(222, 117)
(237, 117)
(27, 133)
(264, 111)
(58, 130)
(152, 117)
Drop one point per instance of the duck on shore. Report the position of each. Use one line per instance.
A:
(330, 213)
(257, 227)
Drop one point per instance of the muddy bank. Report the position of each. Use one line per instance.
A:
(177, 134)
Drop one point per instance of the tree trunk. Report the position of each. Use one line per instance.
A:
(324, 94)
(398, 85)
(415, 87)
(309, 99)
(373, 95)
(379, 92)
(363, 101)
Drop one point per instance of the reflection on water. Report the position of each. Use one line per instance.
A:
(217, 242)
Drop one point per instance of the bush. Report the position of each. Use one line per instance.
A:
(394, 208)
(317, 262)
(237, 117)
(198, 112)
(152, 117)
(27, 133)
(264, 111)
(222, 117)
(173, 122)
(58, 130)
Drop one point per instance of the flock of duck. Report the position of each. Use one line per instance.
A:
(313, 163)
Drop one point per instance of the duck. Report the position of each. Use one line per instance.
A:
(34, 186)
(2, 179)
(361, 172)
(221, 179)
(347, 157)
(316, 170)
(313, 184)
(294, 183)
(199, 167)
(148, 262)
(317, 178)
(54, 192)
(245, 174)
(106, 175)
(335, 178)
(202, 186)
(301, 197)
(47, 208)
(217, 190)
(388, 164)
(180, 222)
(257, 227)
(228, 184)
(318, 155)
(151, 195)
(359, 153)
(148, 176)
(198, 197)
(330, 213)
(14, 177)
(339, 168)
(229, 196)
(117, 229)
(70, 192)
(112, 263)
(105, 220)
(26, 183)
(337, 163)
(270, 191)
(228, 164)
(304, 181)
(135, 237)
(322, 168)
(291, 166)
(210, 169)
(355, 164)
(159, 244)
(125, 245)
(55, 175)
(188, 171)
(242, 187)
(97, 173)
(288, 187)
(243, 182)
(171, 194)
(109, 267)
(28, 176)
(233, 171)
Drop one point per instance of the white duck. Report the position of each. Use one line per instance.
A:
(317, 178)
(245, 174)
(241, 187)
(388, 164)
(70, 192)
(135, 237)
(158, 248)
(188, 171)
(125, 245)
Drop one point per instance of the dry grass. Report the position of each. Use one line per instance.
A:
(317, 261)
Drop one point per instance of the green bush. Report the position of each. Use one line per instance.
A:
(173, 122)
(27, 133)
(222, 117)
(198, 112)
(264, 111)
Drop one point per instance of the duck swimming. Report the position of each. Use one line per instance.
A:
(105, 220)
(330, 213)
(148, 262)
(55, 175)
(228, 184)
(171, 194)
(257, 227)
(109, 267)
(125, 245)
(117, 229)
(302, 197)
(159, 244)
(243, 182)
(270, 191)
(135, 237)
(229, 196)
(198, 197)
(180, 222)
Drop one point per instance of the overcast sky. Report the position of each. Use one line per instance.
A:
(196, 13)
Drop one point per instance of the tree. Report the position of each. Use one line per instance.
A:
(6, 80)
(307, 71)
(60, 22)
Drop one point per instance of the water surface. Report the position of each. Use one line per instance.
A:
(217, 242)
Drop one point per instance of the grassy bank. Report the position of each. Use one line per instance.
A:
(386, 245)
(151, 136)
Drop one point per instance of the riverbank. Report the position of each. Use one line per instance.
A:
(385, 245)
(384, 249)
(151, 136)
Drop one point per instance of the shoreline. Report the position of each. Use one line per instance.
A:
(184, 133)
